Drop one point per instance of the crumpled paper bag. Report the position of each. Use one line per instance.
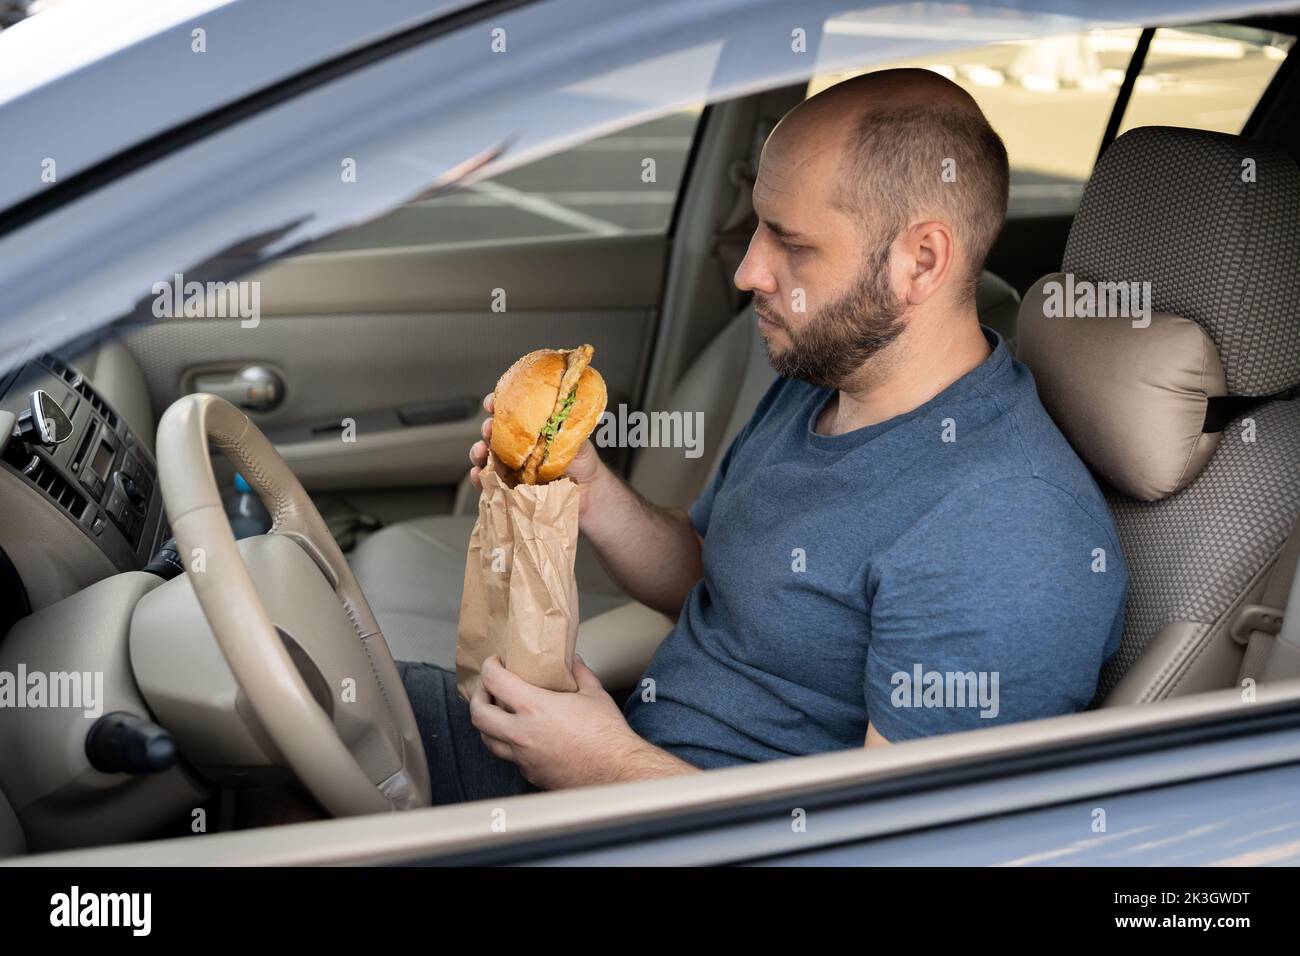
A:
(521, 597)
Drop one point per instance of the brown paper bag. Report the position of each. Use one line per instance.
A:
(521, 597)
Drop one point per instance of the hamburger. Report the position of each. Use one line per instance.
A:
(544, 407)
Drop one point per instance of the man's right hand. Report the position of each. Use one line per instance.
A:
(583, 470)
(653, 553)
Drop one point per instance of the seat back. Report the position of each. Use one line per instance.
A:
(723, 385)
(1208, 226)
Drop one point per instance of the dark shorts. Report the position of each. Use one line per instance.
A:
(461, 768)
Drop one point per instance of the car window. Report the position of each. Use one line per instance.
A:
(1208, 76)
(404, 116)
(626, 182)
(1050, 98)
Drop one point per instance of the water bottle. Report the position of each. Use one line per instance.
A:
(248, 516)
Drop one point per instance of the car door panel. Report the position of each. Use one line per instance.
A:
(401, 345)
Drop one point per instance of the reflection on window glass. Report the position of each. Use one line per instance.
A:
(1208, 76)
(1048, 98)
(611, 186)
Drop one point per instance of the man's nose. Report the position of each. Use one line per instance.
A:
(753, 275)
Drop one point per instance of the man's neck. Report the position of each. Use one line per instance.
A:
(921, 364)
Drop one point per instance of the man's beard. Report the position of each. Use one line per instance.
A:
(837, 340)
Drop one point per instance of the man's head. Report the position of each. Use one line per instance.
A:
(878, 200)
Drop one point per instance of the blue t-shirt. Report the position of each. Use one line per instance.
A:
(952, 568)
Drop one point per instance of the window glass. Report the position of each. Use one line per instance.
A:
(1050, 98)
(1208, 76)
(622, 183)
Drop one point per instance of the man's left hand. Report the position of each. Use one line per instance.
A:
(557, 739)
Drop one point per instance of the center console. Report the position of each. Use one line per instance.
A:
(101, 477)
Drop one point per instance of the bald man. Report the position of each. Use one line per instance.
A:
(898, 544)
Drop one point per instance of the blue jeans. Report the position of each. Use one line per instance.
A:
(461, 768)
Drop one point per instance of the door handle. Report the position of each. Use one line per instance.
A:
(254, 388)
(436, 413)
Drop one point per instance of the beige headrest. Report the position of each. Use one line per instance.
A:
(1130, 397)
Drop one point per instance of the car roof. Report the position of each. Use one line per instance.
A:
(127, 69)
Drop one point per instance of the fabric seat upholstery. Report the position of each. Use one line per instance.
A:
(1171, 207)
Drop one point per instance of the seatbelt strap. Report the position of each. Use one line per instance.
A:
(1222, 409)
(1258, 625)
(347, 525)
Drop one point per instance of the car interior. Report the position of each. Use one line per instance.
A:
(349, 378)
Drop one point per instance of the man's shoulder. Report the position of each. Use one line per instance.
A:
(1027, 502)
(1019, 532)
(1021, 481)
(1032, 461)
(1012, 505)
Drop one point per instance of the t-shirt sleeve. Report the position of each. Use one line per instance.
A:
(999, 606)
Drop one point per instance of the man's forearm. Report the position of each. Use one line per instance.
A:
(653, 553)
(645, 761)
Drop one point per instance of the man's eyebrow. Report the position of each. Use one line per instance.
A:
(781, 230)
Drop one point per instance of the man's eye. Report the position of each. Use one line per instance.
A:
(792, 247)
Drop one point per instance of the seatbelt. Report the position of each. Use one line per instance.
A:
(348, 526)
(1222, 409)
(1272, 654)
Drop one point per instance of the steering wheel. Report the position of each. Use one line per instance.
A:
(319, 679)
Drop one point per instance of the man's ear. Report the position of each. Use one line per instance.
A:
(929, 253)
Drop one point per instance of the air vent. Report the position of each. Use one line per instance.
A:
(60, 368)
(97, 403)
(75, 379)
(45, 477)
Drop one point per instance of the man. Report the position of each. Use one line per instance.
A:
(899, 543)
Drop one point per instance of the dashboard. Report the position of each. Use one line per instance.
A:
(80, 516)
(100, 484)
